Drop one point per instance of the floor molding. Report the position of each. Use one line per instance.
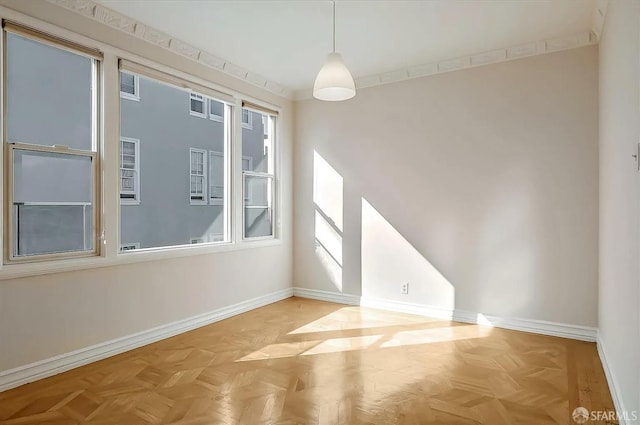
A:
(48, 367)
(614, 389)
(564, 330)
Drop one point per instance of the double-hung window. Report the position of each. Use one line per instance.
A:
(258, 174)
(198, 176)
(182, 163)
(247, 119)
(52, 159)
(129, 171)
(216, 110)
(129, 86)
(197, 105)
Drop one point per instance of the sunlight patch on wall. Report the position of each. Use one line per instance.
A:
(328, 222)
(327, 190)
(507, 272)
(388, 260)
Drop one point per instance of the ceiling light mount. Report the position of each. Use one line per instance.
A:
(334, 81)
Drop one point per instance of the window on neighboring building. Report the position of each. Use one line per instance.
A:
(216, 178)
(198, 158)
(52, 159)
(129, 171)
(197, 105)
(129, 246)
(247, 119)
(258, 175)
(216, 110)
(129, 86)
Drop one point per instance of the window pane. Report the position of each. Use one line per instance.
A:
(129, 164)
(216, 177)
(174, 173)
(197, 106)
(258, 203)
(49, 99)
(257, 144)
(127, 83)
(216, 108)
(52, 203)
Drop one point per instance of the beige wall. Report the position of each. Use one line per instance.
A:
(619, 295)
(479, 187)
(47, 315)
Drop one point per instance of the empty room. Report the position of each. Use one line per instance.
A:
(312, 212)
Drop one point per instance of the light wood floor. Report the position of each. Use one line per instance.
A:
(310, 362)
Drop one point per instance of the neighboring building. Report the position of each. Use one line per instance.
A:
(173, 164)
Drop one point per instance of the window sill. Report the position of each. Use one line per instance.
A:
(129, 96)
(123, 202)
(197, 114)
(14, 271)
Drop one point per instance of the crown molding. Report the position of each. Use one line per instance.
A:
(104, 15)
(598, 18)
(471, 61)
(113, 19)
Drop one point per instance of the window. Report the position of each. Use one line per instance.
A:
(129, 171)
(216, 110)
(265, 126)
(258, 175)
(52, 158)
(129, 246)
(247, 164)
(247, 119)
(198, 176)
(182, 163)
(129, 86)
(216, 178)
(197, 105)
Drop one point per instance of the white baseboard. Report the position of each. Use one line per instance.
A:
(48, 367)
(614, 389)
(563, 330)
(583, 333)
(334, 297)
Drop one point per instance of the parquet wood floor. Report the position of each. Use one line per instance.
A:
(309, 362)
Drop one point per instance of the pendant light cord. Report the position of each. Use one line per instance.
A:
(334, 26)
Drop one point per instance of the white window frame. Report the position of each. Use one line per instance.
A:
(10, 146)
(248, 196)
(136, 88)
(106, 179)
(136, 192)
(249, 124)
(205, 181)
(125, 247)
(199, 97)
(271, 194)
(212, 116)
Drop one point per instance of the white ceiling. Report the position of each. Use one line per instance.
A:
(287, 41)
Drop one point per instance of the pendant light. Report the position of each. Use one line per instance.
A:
(334, 81)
